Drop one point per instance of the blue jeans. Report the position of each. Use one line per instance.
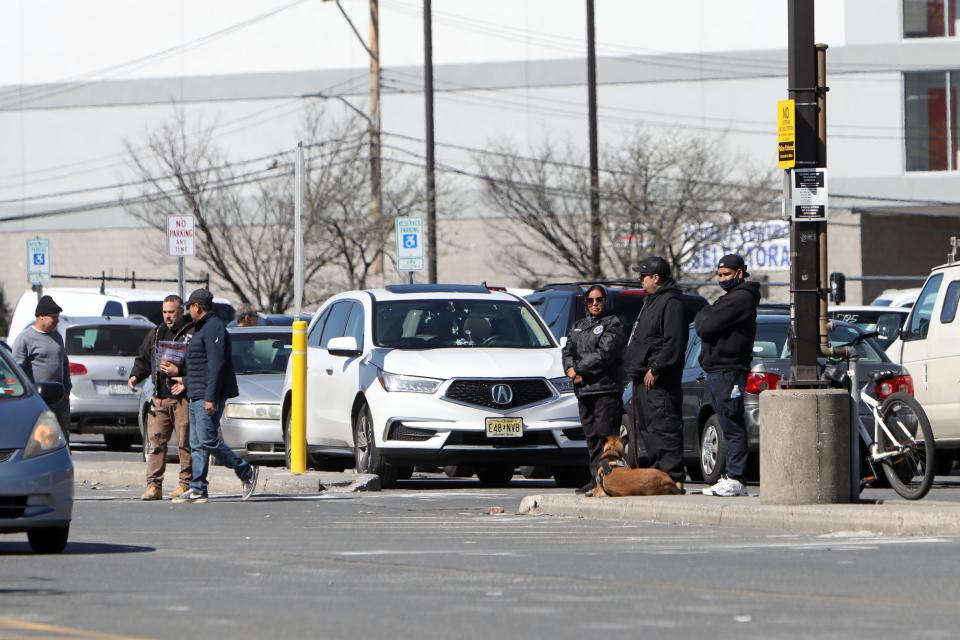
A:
(730, 415)
(205, 440)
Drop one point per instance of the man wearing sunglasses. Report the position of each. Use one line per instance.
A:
(654, 361)
(591, 359)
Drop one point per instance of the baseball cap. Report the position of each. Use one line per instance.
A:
(202, 297)
(733, 261)
(654, 265)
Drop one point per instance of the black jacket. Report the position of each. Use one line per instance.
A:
(143, 364)
(728, 328)
(658, 340)
(210, 373)
(594, 348)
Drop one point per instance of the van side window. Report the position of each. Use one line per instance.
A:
(950, 300)
(923, 309)
(113, 308)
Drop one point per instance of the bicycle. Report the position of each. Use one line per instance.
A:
(902, 441)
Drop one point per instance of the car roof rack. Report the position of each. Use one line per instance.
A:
(436, 288)
(586, 283)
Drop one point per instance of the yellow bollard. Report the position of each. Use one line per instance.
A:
(298, 405)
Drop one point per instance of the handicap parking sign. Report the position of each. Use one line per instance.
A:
(39, 259)
(409, 244)
(409, 241)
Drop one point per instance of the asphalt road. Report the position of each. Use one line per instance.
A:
(430, 560)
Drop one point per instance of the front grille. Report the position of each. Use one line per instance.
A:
(575, 433)
(480, 439)
(12, 506)
(400, 431)
(5, 454)
(477, 392)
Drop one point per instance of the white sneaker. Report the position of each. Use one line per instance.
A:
(726, 488)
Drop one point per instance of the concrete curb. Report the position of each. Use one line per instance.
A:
(126, 475)
(895, 518)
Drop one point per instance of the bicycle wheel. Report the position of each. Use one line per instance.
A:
(911, 471)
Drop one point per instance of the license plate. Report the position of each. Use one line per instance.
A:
(118, 389)
(504, 427)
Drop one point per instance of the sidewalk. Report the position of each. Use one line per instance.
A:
(123, 475)
(894, 517)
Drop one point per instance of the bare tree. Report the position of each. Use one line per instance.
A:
(668, 196)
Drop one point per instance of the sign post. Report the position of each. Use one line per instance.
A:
(180, 243)
(38, 263)
(409, 232)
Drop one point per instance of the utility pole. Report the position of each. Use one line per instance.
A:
(376, 204)
(428, 110)
(804, 235)
(596, 229)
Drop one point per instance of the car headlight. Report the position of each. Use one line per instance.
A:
(562, 385)
(410, 384)
(253, 411)
(45, 437)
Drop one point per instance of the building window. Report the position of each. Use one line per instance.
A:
(930, 120)
(930, 18)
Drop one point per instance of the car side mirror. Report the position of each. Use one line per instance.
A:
(343, 346)
(51, 392)
(563, 342)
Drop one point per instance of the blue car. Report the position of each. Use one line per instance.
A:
(36, 472)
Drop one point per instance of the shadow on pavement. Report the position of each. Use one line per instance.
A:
(74, 549)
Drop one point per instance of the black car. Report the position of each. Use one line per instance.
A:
(561, 305)
(703, 445)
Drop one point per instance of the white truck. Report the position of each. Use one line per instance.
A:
(929, 347)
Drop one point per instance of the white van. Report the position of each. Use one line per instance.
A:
(929, 347)
(81, 301)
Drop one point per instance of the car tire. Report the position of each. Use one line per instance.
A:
(571, 477)
(403, 473)
(52, 540)
(713, 450)
(536, 473)
(366, 456)
(495, 475)
(944, 463)
(117, 441)
(287, 424)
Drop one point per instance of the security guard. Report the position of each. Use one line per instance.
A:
(592, 360)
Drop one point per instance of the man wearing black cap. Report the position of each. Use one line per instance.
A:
(210, 381)
(40, 353)
(727, 329)
(654, 359)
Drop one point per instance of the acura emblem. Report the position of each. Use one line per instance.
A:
(121, 371)
(501, 394)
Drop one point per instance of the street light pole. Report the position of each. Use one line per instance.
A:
(595, 226)
(376, 202)
(428, 110)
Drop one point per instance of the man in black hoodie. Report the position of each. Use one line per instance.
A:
(654, 360)
(727, 329)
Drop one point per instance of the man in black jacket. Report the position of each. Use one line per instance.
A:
(654, 360)
(169, 410)
(210, 382)
(591, 359)
(727, 329)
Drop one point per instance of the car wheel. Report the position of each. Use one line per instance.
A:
(571, 477)
(287, 424)
(713, 450)
(367, 458)
(458, 471)
(403, 473)
(944, 463)
(535, 473)
(495, 476)
(117, 441)
(52, 540)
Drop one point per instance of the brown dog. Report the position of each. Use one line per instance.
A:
(615, 478)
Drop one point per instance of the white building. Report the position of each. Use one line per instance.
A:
(77, 80)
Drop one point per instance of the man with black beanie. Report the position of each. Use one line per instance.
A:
(654, 360)
(727, 329)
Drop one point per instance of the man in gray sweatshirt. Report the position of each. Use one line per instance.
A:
(40, 353)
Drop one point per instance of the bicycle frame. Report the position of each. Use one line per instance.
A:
(859, 395)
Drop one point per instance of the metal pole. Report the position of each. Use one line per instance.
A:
(181, 288)
(595, 227)
(376, 203)
(297, 438)
(298, 232)
(804, 242)
(428, 109)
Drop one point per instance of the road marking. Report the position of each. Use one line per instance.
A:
(65, 632)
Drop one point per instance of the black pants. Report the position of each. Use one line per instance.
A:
(600, 416)
(661, 425)
(726, 388)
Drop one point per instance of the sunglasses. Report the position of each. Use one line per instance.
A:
(595, 300)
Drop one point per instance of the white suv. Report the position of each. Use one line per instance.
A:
(437, 375)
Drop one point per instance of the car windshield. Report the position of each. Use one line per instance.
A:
(152, 310)
(887, 324)
(105, 340)
(259, 352)
(433, 324)
(771, 342)
(12, 384)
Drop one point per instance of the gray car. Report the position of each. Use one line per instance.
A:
(101, 351)
(36, 473)
(251, 421)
